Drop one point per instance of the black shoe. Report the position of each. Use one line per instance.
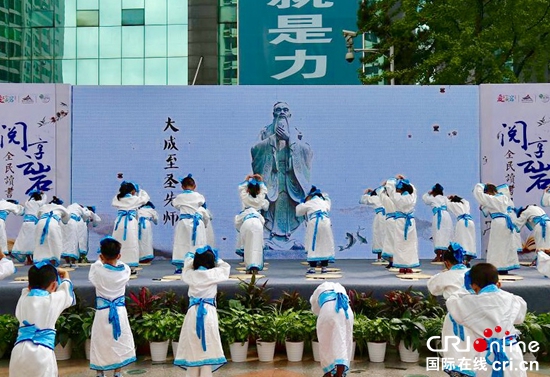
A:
(390, 265)
(503, 272)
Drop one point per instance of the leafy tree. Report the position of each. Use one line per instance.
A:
(458, 42)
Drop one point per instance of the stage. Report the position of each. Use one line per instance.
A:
(289, 275)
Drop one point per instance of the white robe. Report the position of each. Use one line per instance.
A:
(543, 263)
(147, 217)
(8, 208)
(129, 252)
(388, 248)
(445, 284)
(42, 309)
(24, 243)
(441, 235)
(502, 248)
(209, 229)
(379, 222)
(486, 310)
(334, 330)
(53, 243)
(545, 199)
(528, 218)
(7, 268)
(202, 284)
(319, 245)
(106, 353)
(465, 230)
(188, 203)
(78, 217)
(83, 232)
(406, 250)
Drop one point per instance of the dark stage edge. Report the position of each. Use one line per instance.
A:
(289, 275)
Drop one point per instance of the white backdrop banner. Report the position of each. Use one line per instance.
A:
(35, 142)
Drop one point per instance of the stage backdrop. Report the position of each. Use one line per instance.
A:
(343, 139)
(515, 131)
(35, 143)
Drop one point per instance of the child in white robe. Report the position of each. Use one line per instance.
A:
(490, 314)
(38, 309)
(442, 224)
(126, 229)
(112, 343)
(6, 207)
(209, 228)
(84, 231)
(147, 217)
(445, 284)
(48, 235)
(372, 199)
(536, 220)
(502, 247)
(23, 248)
(330, 303)
(190, 231)
(465, 228)
(403, 196)
(78, 216)
(7, 267)
(388, 248)
(200, 351)
(319, 240)
(250, 223)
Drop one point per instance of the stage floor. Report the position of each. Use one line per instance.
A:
(289, 275)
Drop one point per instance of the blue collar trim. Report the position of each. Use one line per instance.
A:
(119, 267)
(39, 292)
(459, 266)
(489, 289)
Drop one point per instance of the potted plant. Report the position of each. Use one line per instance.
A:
(376, 333)
(310, 322)
(236, 327)
(266, 332)
(531, 331)
(67, 328)
(294, 332)
(9, 326)
(175, 330)
(155, 328)
(408, 331)
(434, 327)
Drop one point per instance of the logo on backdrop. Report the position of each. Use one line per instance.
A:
(27, 100)
(507, 98)
(7, 98)
(527, 99)
(544, 97)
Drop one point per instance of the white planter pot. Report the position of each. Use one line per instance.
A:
(315, 349)
(159, 351)
(377, 352)
(294, 350)
(63, 353)
(87, 345)
(174, 348)
(238, 352)
(528, 356)
(407, 355)
(266, 350)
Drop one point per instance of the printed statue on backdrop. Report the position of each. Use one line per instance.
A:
(284, 161)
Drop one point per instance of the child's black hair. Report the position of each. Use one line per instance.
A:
(373, 193)
(41, 278)
(12, 201)
(109, 248)
(36, 196)
(206, 259)
(483, 274)
(521, 209)
(125, 188)
(188, 182)
(149, 204)
(437, 190)
(490, 189)
(449, 256)
(56, 200)
(455, 199)
(253, 189)
(312, 193)
(407, 187)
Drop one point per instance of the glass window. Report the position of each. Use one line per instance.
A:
(87, 18)
(110, 13)
(132, 71)
(14, 50)
(69, 14)
(43, 43)
(87, 4)
(155, 71)
(87, 42)
(110, 71)
(177, 12)
(177, 71)
(132, 17)
(177, 40)
(109, 42)
(66, 50)
(131, 4)
(132, 42)
(69, 71)
(87, 72)
(155, 12)
(155, 41)
(42, 71)
(42, 18)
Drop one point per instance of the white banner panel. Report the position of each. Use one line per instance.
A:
(515, 130)
(35, 142)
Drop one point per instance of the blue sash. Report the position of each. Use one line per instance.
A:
(75, 217)
(402, 215)
(509, 223)
(48, 216)
(541, 220)
(381, 210)
(143, 224)
(128, 216)
(342, 302)
(251, 216)
(437, 212)
(196, 218)
(458, 330)
(4, 215)
(40, 337)
(317, 215)
(201, 312)
(103, 303)
(30, 219)
(466, 217)
(496, 347)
